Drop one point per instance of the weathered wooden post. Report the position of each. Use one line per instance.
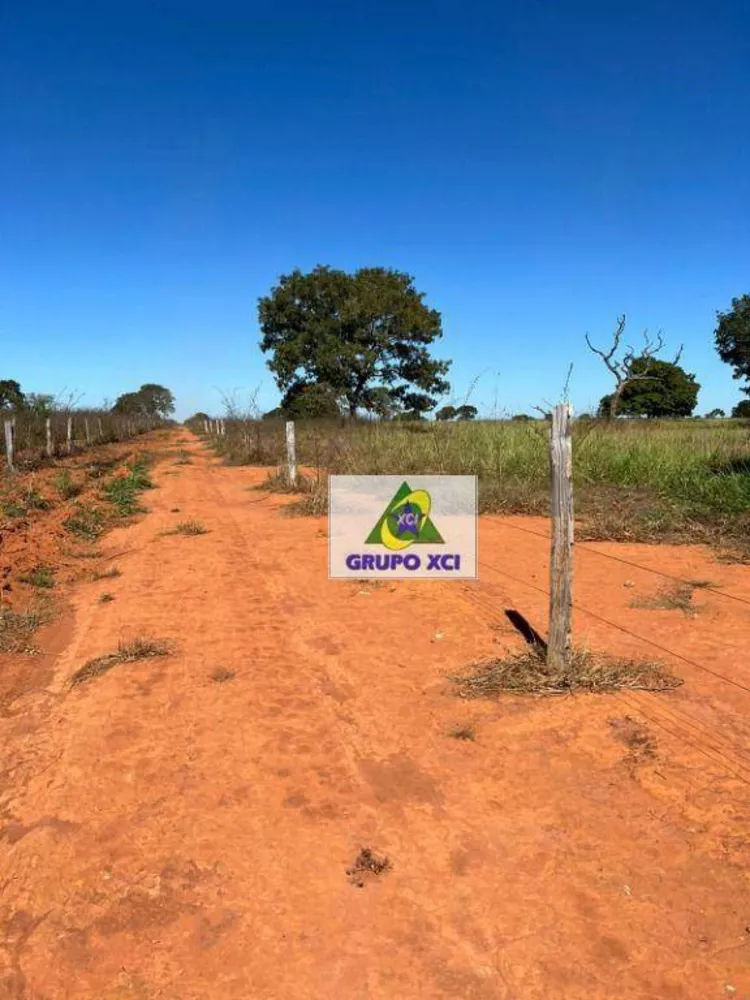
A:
(205, 427)
(291, 453)
(48, 432)
(561, 562)
(9, 428)
(87, 431)
(70, 435)
(101, 428)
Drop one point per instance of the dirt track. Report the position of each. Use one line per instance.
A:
(170, 835)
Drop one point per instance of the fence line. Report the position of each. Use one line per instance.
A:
(699, 730)
(622, 628)
(583, 547)
(44, 437)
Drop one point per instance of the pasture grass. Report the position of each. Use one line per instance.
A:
(635, 480)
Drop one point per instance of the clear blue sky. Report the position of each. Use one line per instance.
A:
(539, 166)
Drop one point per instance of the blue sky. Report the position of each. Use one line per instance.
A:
(539, 167)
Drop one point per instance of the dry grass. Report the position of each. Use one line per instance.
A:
(188, 528)
(40, 576)
(140, 648)
(221, 675)
(107, 574)
(675, 598)
(465, 733)
(106, 598)
(17, 629)
(529, 673)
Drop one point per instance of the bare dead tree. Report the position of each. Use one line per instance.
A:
(622, 366)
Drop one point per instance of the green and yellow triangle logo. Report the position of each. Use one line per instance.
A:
(406, 521)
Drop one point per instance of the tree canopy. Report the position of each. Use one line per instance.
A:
(150, 400)
(668, 391)
(742, 409)
(364, 335)
(464, 412)
(11, 397)
(732, 338)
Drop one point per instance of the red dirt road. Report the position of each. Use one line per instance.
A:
(167, 835)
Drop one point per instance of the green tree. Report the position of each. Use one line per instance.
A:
(308, 401)
(129, 403)
(466, 412)
(658, 389)
(150, 400)
(732, 337)
(355, 333)
(157, 401)
(446, 413)
(716, 414)
(742, 409)
(11, 397)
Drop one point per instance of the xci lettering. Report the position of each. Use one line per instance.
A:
(444, 560)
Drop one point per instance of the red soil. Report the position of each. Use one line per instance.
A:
(169, 835)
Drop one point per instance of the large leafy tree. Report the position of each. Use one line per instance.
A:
(359, 334)
(667, 391)
(732, 337)
(150, 400)
(742, 409)
(11, 397)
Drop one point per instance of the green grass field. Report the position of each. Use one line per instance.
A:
(638, 480)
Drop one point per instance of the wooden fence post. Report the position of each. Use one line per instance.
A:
(291, 453)
(48, 432)
(561, 562)
(9, 427)
(86, 428)
(70, 435)
(101, 429)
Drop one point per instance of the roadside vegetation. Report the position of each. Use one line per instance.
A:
(644, 480)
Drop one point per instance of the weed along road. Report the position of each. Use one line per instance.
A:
(262, 783)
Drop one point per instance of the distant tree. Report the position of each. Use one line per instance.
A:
(129, 403)
(415, 405)
(275, 414)
(11, 397)
(716, 414)
(356, 333)
(521, 417)
(732, 338)
(742, 409)
(309, 400)
(626, 367)
(446, 413)
(466, 412)
(150, 400)
(200, 415)
(157, 401)
(39, 404)
(669, 391)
